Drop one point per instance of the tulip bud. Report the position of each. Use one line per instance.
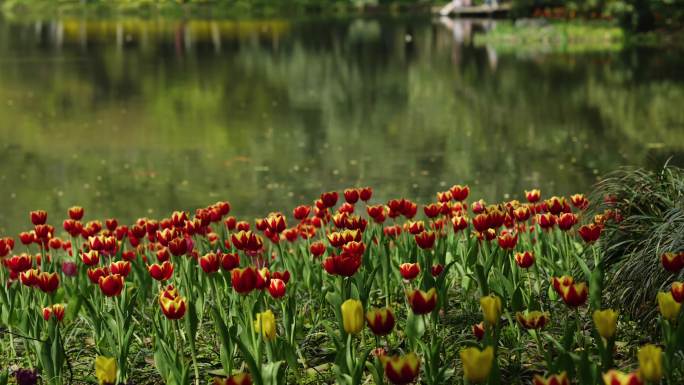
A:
(479, 330)
(532, 319)
(352, 316)
(276, 288)
(380, 321)
(401, 370)
(605, 322)
(105, 370)
(491, 308)
(477, 364)
(556, 379)
(669, 308)
(266, 325)
(677, 291)
(651, 363)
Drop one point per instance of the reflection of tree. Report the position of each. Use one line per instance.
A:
(271, 119)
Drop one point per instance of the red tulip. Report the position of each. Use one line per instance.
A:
(616, 377)
(243, 280)
(432, 210)
(422, 302)
(122, 268)
(436, 270)
(94, 274)
(301, 212)
(401, 370)
(236, 379)
(380, 321)
(329, 199)
(276, 288)
(56, 310)
(546, 221)
(558, 283)
(392, 231)
(48, 282)
(672, 262)
(111, 285)
(161, 272)
(579, 201)
(508, 240)
(69, 269)
(29, 277)
(533, 196)
(459, 222)
(677, 291)
(414, 228)
(566, 221)
(276, 223)
(27, 238)
(365, 193)
(459, 193)
(556, 379)
(317, 249)
(38, 217)
(590, 232)
(172, 304)
(229, 261)
(351, 195)
(90, 258)
(247, 241)
(178, 246)
(18, 263)
(575, 295)
(345, 264)
(209, 263)
(263, 277)
(409, 270)
(524, 259)
(479, 330)
(425, 240)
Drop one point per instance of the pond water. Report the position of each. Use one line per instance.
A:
(137, 117)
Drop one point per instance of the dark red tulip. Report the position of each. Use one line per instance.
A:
(230, 261)
(365, 193)
(437, 269)
(276, 288)
(345, 264)
(76, 213)
(122, 268)
(425, 240)
(48, 282)
(111, 285)
(38, 217)
(209, 263)
(317, 249)
(301, 212)
(459, 193)
(329, 199)
(351, 195)
(409, 270)
(161, 272)
(243, 280)
(590, 233)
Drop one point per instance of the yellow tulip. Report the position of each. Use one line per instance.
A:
(266, 321)
(477, 364)
(352, 316)
(669, 308)
(651, 363)
(491, 308)
(105, 370)
(605, 322)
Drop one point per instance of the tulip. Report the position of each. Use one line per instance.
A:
(616, 377)
(533, 196)
(161, 272)
(425, 240)
(19, 263)
(365, 193)
(579, 201)
(317, 249)
(566, 221)
(555, 379)
(481, 222)
(380, 321)
(26, 376)
(605, 322)
(29, 277)
(436, 270)
(677, 291)
(522, 213)
(209, 263)
(178, 246)
(669, 308)
(491, 308)
(477, 364)
(266, 325)
(122, 268)
(345, 264)
(56, 310)
(243, 280)
(230, 261)
(105, 370)
(409, 270)
(90, 258)
(558, 283)
(672, 262)
(555, 205)
(479, 330)
(76, 213)
(546, 221)
(172, 304)
(111, 285)
(94, 274)
(459, 193)
(352, 316)
(329, 199)
(650, 363)
(48, 282)
(590, 233)
(38, 217)
(524, 259)
(236, 379)
(276, 288)
(508, 240)
(401, 370)
(532, 319)
(422, 302)
(575, 295)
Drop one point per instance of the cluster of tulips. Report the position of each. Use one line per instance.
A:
(378, 281)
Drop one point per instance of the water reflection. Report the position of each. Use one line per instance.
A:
(138, 117)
